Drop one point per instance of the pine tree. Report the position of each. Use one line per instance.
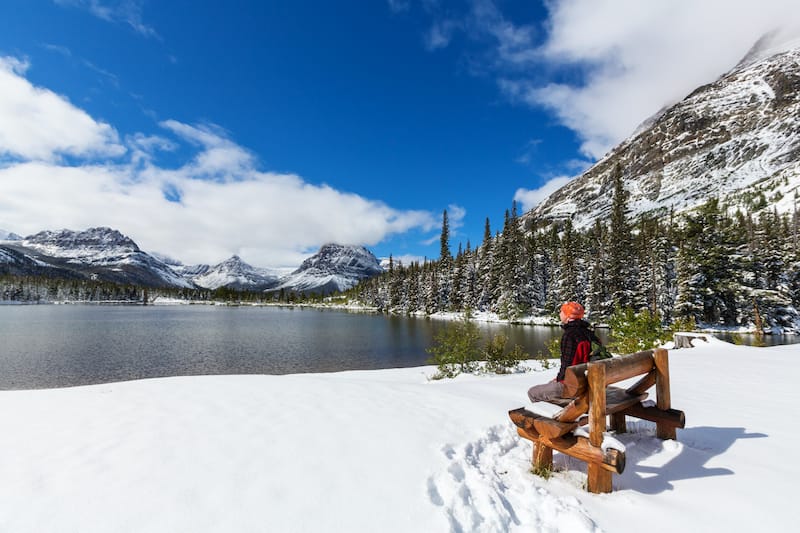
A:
(568, 257)
(598, 302)
(444, 255)
(618, 244)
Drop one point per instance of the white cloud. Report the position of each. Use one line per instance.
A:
(36, 123)
(455, 216)
(215, 205)
(513, 44)
(220, 157)
(277, 218)
(122, 11)
(405, 260)
(455, 219)
(399, 6)
(440, 34)
(530, 198)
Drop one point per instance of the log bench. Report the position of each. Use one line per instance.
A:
(590, 400)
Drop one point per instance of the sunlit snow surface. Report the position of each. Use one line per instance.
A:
(391, 450)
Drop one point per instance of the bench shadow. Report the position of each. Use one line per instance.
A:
(697, 446)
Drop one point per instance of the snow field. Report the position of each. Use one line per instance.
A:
(390, 450)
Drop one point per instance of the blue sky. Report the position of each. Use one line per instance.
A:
(266, 128)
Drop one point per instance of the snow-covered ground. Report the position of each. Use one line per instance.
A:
(390, 450)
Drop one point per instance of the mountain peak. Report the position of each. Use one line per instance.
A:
(772, 43)
(98, 253)
(335, 267)
(9, 236)
(100, 237)
(233, 273)
(735, 138)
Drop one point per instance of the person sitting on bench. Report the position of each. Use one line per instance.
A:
(576, 345)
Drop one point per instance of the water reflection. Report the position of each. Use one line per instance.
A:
(749, 339)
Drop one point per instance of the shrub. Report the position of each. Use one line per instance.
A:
(500, 361)
(456, 349)
(683, 324)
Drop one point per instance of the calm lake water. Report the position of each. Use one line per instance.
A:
(44, 346)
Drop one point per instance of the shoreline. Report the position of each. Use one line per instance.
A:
(477, 316)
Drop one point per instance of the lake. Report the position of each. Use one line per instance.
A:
(44, 346)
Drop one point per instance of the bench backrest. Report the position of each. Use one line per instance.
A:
(587, 384)
(576, 378)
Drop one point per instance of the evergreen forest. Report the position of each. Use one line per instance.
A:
(713, 266)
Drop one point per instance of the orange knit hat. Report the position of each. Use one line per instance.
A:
(571, 311)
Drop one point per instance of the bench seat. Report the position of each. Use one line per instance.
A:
(617, 399)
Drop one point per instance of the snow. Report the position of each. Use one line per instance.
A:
(609, 441)
(547, 409)
(391, 450)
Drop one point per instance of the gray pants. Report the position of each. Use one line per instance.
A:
(546, 391)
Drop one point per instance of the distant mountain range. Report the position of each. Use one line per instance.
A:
(736, 139)
(106, 254)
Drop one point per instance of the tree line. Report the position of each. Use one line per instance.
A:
(43, 289)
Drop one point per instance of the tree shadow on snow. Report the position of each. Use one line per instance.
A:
(684, 459)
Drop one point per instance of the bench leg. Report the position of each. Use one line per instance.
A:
(663, 398)
(618, 423)
(599, 479)
(542, 457)
(664, 432)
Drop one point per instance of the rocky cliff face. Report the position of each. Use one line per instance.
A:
(737, 139)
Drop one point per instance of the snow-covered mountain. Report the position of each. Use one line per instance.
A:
(737, 139)
(97, 253)
(335, 267)
(9, 236)
(108, 255)
(233, 273)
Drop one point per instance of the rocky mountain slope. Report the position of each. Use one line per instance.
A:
(334, 268)
(737, 139)
(232, 273)
(97, 253)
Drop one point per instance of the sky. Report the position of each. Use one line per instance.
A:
(266, 129)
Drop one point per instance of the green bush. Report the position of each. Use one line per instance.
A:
(456, 349)
(633, 332)
(500, 361)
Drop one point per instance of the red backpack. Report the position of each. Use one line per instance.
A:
(582, 352)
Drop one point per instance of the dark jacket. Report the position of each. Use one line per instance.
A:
(575, 331)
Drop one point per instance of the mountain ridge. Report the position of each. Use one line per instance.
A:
(734, 138)
(103, 253)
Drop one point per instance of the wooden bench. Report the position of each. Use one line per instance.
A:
(587, 387)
